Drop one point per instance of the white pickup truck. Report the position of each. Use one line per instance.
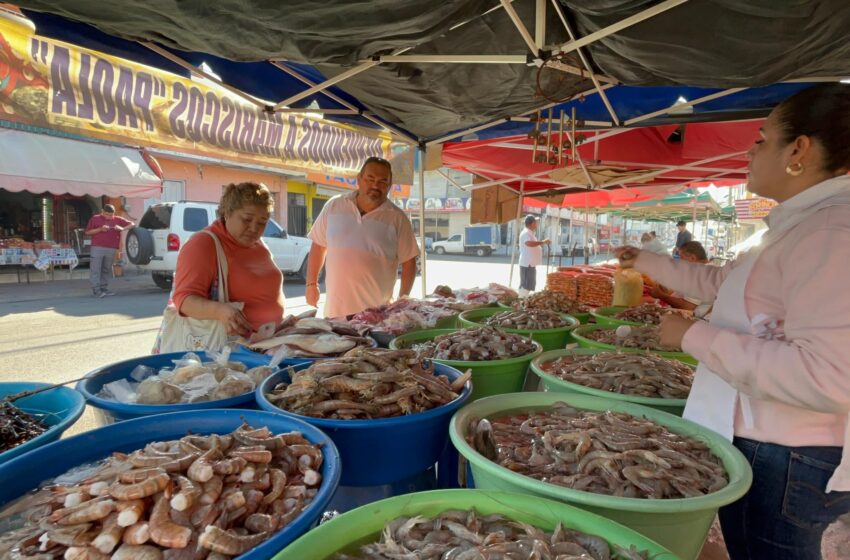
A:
(165, 227)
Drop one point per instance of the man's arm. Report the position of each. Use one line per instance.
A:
(408, 275)
(537, 243)
(315, 261)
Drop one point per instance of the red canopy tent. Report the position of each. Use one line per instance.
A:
(663, 156)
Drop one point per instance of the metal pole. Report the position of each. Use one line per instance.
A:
(516, 232)
(570, 237)
(423, 257)
(586, 218)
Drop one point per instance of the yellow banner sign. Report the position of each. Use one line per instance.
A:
(60, 86)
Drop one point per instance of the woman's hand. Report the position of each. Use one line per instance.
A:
(673, 329)
(312, 295)
(234, 321)
(627, 256)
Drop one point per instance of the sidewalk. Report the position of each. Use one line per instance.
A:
(75, 284)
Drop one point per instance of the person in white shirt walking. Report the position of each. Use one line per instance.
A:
(361, 246)
(530, 255)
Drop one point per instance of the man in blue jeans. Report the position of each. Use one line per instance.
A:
(105, 231)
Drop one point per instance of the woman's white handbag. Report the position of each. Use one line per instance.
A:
(185, 334)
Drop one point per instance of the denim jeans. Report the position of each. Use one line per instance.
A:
(787, 509)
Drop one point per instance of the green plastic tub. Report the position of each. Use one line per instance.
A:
(549, 339)
(583, 318)
(364, 524)
(681, 525)
(450, 322)
(489, 378)
(579, 335)
(558, 385)
(605, 317)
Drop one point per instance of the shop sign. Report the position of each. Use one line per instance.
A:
(753, 208)
(56, 85)
(350, 182)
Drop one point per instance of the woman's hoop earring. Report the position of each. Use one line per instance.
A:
(794, 169)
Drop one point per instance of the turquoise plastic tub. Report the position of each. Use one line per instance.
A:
(59, 408)
(108, 411)
(363, 525)
(31, 469)
(679, 524)
(384, 450)
(558, 385)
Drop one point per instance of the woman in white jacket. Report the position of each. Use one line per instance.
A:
(774, 371)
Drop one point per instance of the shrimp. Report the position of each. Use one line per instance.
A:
(254, 454)
(138, 533)
(212, 490)
(229, 466)
(110, 534)
(224, 542)
(278, 479)
(189, 493)
(88, 511)
(201, 470)
(143, 489)
(139, 475)
(84, 553)
(260, 523)
(163, 531)
(129, 512)
(137, 552)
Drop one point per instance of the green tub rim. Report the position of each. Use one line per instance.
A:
(578, 336)
(428, 334)
(465, 321)
(511, 504)
(606, 315)
(553, 355)
(740, 474)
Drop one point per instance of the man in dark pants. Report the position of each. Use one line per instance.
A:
(105, 230)
(684, 236)
(530, 255)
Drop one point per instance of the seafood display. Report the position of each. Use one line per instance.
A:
(647, 337)
(366, 384)
(554, 301)
(527, 319)
(465, 299)
(645, 375)
(17, 426)
(648, 313)
(191, 380)
(466, 534)
(608, 453)
(595, 290)
(305, 336)
(402, 316)
(476, 345)
(197, 497)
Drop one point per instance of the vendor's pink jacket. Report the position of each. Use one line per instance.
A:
(795, 364)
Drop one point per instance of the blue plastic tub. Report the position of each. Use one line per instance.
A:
(59, 408)
(31, 469)
(386, 450)
(108, 411)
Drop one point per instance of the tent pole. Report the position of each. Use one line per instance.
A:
(586, 218)
(516, 233)
(423, 256)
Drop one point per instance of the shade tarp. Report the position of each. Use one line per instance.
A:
(40, 163)
(691, 50)
(650, 156)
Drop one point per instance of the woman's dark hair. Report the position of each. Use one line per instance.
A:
(821, 112)
(696, 249)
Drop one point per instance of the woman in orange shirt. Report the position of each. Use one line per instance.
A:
(252, 278)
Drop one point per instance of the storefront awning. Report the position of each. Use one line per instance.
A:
(40, 163)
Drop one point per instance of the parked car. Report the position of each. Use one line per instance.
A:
(165, 227)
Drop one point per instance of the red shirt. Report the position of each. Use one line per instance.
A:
(252, 276)
(110, 239)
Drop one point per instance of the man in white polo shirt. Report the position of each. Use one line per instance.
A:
(361, 238)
